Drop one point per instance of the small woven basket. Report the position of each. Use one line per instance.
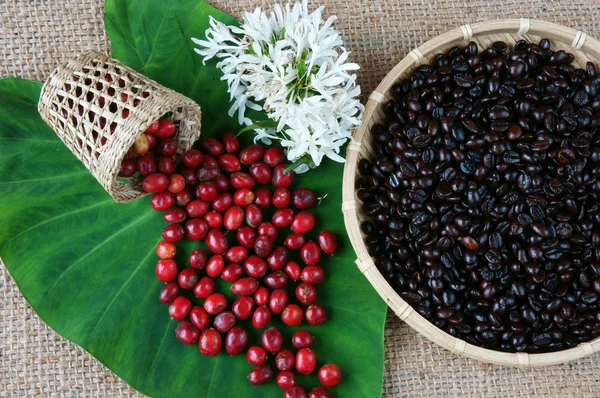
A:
(483, 33)
(100, 107)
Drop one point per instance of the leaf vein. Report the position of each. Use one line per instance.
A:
(29, 139)
(118, 29)
(212, 377)
(362, 314)
(97, 204)
(116, 296)
(162, 343)
(58, 177)
(153, 48)
(120, 231)
(188, 44)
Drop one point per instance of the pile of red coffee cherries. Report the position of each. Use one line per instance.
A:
(216, 198)
(152, 152)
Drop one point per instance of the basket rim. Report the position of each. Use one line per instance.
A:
(577, 40)
(105, 167)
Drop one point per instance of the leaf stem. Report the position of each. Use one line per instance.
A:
(304, 159)
(268, 123)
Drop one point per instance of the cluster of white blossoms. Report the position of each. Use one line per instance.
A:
(293, 65)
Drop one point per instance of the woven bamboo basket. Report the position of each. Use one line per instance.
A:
(100, 107)
(578, 43)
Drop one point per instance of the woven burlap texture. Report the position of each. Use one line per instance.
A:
(38, 35)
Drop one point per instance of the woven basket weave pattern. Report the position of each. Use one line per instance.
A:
(99, 108)
(584, 48)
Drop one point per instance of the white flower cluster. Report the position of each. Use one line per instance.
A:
(292, 64)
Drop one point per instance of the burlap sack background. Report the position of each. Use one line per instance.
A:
(36, 35)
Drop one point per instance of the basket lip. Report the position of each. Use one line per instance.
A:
(520, 27)
(164, 100)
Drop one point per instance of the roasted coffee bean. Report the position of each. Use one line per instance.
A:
(482, 197)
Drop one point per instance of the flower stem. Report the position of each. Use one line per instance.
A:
(304, 159)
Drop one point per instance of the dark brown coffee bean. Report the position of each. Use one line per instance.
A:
(541, 340)
(464, 80)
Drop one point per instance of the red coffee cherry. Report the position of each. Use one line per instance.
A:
(330, 375)
(274, 156)
(224, 321)
(312, 274)
(180, 307)
(175, 216)
(207, 191)
(166, 128)
(286, 379)
(176, 183)
(293, 270)
(211, 146)
(268, 229)
(169, 292)
(327, 242)
(285, 360)
(232, 273)
(166, 270)
(242, 307)
(210, 342)
(303, 222)
(231, 144)
(302, 339)
(260, 375)
(200, 318)
(215, 266)
(281, 197)
(162, 201)
(243, 197)
(272, 340)
(256, 355)
(278, 300)
(155, 182)
(247, 236)
(251, 154)
(204, 288)
(306, 293)
(192, 158)
(261, 296)
(263, 197)
(292, 315)
(261, 317)
(281, 179)
(173, 233)
(315, 315)
(261, 173)
(283, 218)
(229, 163)
(198, 259)
(244, 286)
(310, 253)
(215, 303)
(306, 361)
(303, 198)
(187, 333)
(294, 241)
(187, 278)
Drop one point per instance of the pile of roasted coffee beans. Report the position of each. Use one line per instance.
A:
(483, 196)
(222, 196)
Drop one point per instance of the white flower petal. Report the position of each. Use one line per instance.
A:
(316, 110)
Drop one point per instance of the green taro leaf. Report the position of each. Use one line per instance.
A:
(86, 264)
